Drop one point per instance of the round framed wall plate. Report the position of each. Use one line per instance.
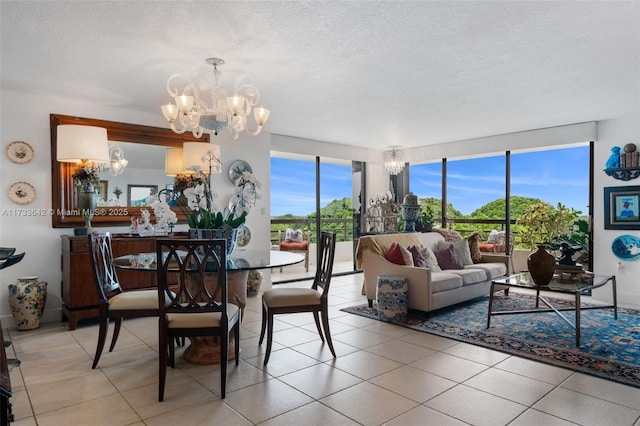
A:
(244, 236)
(22, 193)
(237, 168)
(20, 152)
(626, 247)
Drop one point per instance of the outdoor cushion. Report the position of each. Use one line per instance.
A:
(293, 235)
(292, 245)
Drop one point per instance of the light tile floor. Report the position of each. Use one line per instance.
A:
(383, 374)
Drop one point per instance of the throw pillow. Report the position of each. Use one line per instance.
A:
(462, 250)
(492, 236)
(474, 248)
(448, 259)
(418, 260)
(293, 235)
(399, 255)
(430, 259)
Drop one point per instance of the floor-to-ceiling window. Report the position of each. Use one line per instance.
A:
(475, 189)
(296, 204)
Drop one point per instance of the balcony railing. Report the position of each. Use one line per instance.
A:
(344, 227)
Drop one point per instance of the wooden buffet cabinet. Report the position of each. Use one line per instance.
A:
(79, 293)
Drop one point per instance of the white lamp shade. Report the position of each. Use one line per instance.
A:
(77, 143)
(194, 152)
(173, 164)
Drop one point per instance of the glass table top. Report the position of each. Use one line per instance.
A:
(240, 260)
(580, 283)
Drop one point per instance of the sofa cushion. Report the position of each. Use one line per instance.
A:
(450, 235)
(443, 281)
(461, 248)
(448, 258)
(471, 275)
(418, 260)
(474, 248)
(399, 255)
(491, 270)
(430, 259)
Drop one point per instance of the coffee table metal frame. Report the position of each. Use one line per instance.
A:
(577, 289)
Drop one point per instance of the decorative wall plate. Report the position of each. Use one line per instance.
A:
(22, 193)
(237, 168)
(626, 247)
(20, 152)
(244, 236)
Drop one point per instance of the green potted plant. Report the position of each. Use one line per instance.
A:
(543, 223)
(424, 222)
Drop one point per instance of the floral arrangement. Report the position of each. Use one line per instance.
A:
(165, 217)
(193, 195)
(87, 177)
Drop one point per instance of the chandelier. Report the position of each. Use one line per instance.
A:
(393, 161)
(200, 103)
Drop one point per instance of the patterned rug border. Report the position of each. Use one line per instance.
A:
(572, 359)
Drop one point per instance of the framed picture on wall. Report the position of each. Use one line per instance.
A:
(622, 207)
(137, 194)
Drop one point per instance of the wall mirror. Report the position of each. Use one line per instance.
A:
(144, 147)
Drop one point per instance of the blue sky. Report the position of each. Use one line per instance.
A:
(559, 175)
(293, 185)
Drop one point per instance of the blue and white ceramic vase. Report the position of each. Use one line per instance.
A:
(254, 282)
(27, 299)
(392, 298)
(230, 235)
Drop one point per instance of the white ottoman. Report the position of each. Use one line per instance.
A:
(392, 298)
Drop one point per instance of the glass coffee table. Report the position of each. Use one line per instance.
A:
(577, 288)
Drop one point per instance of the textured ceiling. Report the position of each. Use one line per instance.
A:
(371, 73)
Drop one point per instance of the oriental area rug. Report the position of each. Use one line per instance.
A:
(609, 348)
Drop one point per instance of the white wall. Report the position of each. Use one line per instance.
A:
(617, 131)
(25, 116)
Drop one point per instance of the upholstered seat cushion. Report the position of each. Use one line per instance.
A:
(492, 270)
(143, 299)
(444, 281)
(281, 297)
(293, 245)
(199, 319)
(471, 275)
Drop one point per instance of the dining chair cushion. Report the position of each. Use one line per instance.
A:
(281, 297)
(143, 299)
(199, 319)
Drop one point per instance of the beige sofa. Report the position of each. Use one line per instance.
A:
(428, 290)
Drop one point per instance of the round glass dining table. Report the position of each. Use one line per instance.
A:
(206, 350)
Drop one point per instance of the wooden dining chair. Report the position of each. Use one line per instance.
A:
(199, 306)
(295, 300)
(113, 302)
